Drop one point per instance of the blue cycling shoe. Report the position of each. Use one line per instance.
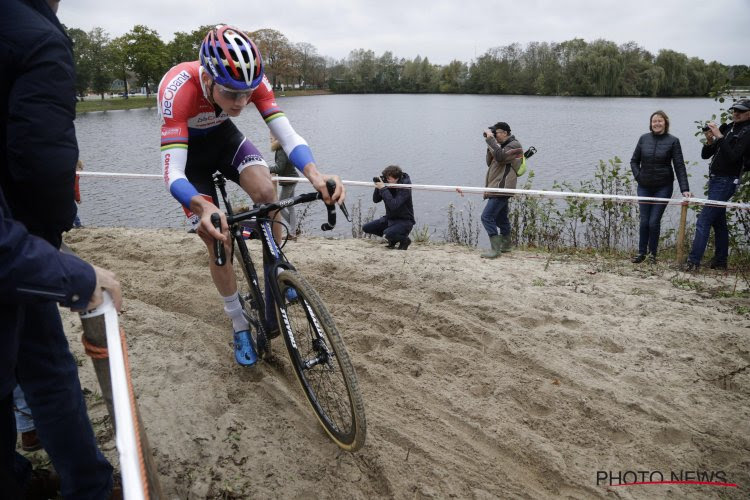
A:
(244, 351)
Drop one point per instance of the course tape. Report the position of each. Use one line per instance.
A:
(481, 190)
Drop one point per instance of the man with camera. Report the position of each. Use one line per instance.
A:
(503, 159)
(728, 146)
(398, 220)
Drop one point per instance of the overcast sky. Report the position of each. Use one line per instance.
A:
(443, 30)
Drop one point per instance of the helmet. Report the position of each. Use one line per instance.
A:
(231, 58)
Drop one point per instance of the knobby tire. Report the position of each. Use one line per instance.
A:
(330, 385)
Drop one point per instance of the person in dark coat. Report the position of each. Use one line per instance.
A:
(728, 147)
(398, 220)
(655, 157)
(38, 154)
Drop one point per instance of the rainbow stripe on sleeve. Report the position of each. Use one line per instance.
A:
(272, 113)
(174, 142)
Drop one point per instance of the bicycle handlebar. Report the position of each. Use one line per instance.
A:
(264, 209)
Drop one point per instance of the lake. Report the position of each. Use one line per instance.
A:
(436, 138)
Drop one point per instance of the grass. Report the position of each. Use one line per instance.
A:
(297, 93)
(137, 102)
(115, 104)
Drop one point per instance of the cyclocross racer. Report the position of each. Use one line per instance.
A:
(196, 100)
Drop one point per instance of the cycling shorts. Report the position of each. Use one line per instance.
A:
(224, 149)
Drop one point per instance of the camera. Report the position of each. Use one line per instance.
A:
(380, 179)
(529, 152)
(705, 128)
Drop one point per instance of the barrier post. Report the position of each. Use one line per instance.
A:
(681, 234)
(95, 335)
(101, 331)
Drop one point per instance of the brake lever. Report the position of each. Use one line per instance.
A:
(221, 256)
(327, 226)
(345, 211)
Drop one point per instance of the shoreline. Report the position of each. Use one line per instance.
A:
(116, 103)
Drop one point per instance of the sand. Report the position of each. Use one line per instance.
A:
(519, 377)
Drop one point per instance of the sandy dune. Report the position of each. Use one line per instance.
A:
(519, 377)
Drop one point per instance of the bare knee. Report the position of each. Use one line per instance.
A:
(264, 193)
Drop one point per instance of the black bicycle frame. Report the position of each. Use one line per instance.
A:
(273, 257)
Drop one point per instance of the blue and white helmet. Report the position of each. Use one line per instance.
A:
(231, 58)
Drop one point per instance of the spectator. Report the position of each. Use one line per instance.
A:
(284, 168)
(25, 422)
(503, 160)
(656, 155)
(38, 154)
(398, 220)
(77, 192)
(728, 146)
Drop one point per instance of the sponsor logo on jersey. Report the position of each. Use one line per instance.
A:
(251, 160)
(167, 158)
(170, 91)
(167, 132)
(267, 83)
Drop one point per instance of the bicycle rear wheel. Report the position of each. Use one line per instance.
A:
(251, 296)
(321, 362)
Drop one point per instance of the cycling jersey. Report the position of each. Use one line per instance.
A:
(187, 115)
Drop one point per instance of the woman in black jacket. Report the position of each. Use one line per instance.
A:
(656, 155)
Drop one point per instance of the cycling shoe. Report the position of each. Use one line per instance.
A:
(244, 351)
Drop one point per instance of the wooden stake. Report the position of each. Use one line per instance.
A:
(681, 235)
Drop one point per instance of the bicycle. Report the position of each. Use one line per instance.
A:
(317, 352)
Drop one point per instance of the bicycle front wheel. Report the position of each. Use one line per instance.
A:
(321, 362)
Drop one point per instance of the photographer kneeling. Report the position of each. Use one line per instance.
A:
(398, 220)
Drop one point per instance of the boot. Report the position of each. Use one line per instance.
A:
(391, 244)
(494, 252)
(505, 243)
(404, 244)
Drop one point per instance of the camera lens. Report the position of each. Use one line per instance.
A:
(706, 128)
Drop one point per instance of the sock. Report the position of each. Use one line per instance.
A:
(234, 310)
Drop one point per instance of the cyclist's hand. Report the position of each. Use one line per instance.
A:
(339, 194)
(206, 229)
(105, 280)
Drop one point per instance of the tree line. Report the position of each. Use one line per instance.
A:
(571, 68)
(141, 57)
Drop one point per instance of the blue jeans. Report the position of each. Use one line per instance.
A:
(24, 421)
(651, 214)
(495, 215)
(720, 189)
(48, 375)
(394, 230)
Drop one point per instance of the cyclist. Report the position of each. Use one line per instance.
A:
(196, 100)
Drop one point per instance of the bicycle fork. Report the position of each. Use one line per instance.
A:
(275, 266)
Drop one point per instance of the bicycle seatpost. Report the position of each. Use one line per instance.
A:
(221, 257)
(327, 226)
